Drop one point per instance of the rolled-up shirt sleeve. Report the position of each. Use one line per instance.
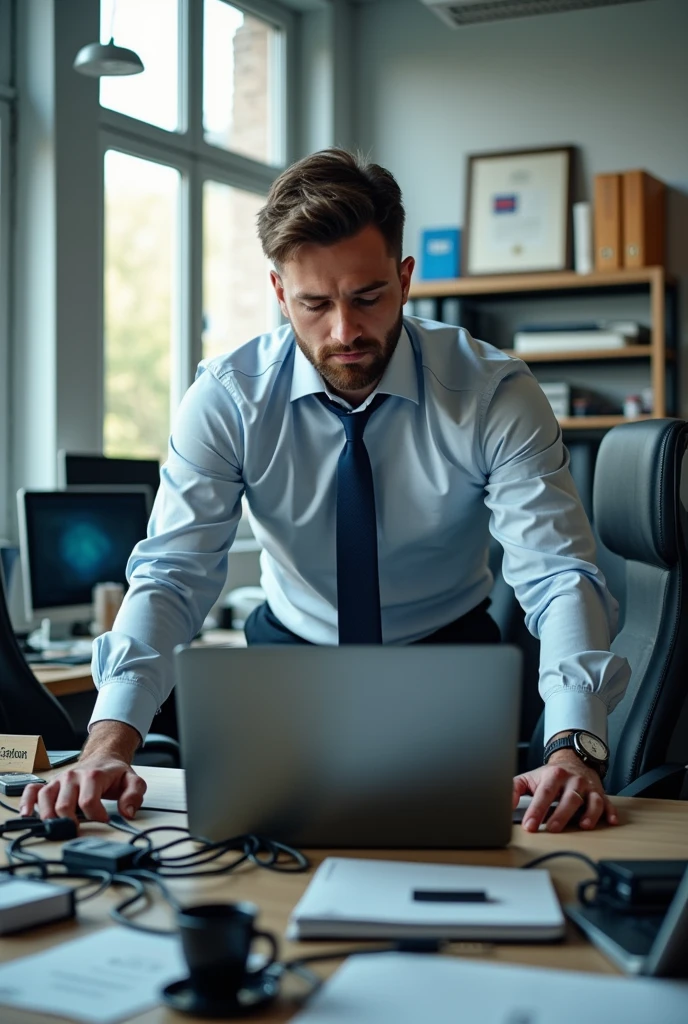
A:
(176, 573)
(549, 556)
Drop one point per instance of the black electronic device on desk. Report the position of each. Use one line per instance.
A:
(634, 921)
(78, 469)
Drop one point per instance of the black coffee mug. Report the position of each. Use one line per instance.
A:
(216, 940)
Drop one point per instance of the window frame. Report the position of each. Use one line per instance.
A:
(7, 162)
(197, 161)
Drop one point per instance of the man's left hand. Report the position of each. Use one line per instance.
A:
(577, 788)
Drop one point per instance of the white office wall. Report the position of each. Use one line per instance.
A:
(613, 81)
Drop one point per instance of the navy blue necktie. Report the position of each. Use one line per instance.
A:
(358, 581)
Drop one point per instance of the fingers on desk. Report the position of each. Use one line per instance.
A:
(132, 794)
(578, 800)
(29, 798)
(545, 793)
(84, 789)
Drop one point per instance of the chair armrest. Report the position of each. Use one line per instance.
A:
(667, 782)
(157, 743)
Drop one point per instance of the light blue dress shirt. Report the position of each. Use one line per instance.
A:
(467, 444)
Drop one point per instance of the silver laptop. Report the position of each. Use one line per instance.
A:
(654, 944)
(350, 746)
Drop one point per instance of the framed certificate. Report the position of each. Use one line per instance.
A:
(518, 207)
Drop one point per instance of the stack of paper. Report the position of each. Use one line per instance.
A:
(579, 337)
(398, 988)
(375, 899)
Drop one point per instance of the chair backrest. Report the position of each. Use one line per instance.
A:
(640, 515)
(26, 707)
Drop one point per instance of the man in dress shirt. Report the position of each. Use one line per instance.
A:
(464, 444)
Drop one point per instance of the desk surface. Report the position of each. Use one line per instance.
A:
(65, 679)
(650, 828)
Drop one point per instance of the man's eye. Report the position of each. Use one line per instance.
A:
(368, 302)
(315, 309)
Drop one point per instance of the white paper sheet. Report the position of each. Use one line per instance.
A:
(104, 977)
(396, 988)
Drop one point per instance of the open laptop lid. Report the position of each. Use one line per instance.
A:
(668, 957)
(351, 746)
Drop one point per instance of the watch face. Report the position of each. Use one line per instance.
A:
(592, 746)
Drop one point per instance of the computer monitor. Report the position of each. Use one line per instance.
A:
(71, 540)
(76, 469)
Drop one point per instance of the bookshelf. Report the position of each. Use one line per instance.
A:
(655, 281)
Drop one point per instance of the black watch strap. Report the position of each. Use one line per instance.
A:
(563, 743)
(569, 743)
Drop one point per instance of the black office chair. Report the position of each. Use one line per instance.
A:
(640, 510)
(28, 708)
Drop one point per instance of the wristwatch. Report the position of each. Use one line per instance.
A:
(591, 750)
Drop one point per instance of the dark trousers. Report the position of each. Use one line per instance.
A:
(475, 627)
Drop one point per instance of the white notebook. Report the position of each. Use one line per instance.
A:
(402, 988)
(350, 898)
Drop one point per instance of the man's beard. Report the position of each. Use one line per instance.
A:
(351, 376)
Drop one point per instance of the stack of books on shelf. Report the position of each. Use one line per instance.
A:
(581, 336)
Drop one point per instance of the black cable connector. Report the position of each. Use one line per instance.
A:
(48, 828)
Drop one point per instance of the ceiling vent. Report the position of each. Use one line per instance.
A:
(458, 13)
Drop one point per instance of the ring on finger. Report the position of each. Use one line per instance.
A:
(580, 796)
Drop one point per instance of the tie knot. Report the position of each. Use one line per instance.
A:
(354, 423)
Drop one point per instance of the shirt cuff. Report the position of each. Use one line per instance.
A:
(125, 700)
(575, 709)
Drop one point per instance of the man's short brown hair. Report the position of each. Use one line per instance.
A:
(327, 197)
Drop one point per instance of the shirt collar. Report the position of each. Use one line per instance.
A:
(398, 379)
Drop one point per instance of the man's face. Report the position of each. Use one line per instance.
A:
(344, 302)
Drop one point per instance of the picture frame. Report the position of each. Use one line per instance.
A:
(518, 211)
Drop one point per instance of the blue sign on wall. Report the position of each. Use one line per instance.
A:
(440, 253)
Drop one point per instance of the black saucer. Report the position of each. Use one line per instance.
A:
(259, 989)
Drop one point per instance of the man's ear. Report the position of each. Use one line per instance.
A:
(405, 272)
(276, 281)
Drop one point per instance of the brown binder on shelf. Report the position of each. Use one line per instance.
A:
(644, 200)
(608, 222)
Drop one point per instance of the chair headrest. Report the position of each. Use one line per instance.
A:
(638, 481)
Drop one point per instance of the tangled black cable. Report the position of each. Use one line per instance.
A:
(257, 850)
(151, 865)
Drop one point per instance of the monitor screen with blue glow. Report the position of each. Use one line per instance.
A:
(71, 540)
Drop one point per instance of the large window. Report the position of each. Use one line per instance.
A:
(141, 248)
(151, 27)
(190, 147)
(238, 301)
(242, 74)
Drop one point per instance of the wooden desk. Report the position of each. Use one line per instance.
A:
(651, 828)
(65, 679)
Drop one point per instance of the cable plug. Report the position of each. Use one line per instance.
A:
(31, 822)
(59, 828)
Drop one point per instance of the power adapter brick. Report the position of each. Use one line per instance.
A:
(639, 886)
(25, 903)
(101, 854)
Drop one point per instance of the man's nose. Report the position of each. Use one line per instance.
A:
(345, 328)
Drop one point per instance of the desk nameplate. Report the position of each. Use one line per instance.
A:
(23, 754)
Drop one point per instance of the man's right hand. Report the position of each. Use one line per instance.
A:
(102, 772)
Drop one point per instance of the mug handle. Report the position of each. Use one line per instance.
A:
(272, 942)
